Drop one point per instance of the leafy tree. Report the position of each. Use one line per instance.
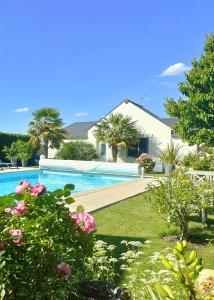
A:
(11, 153)
(196, 111)
(46, 128)
(118, 131)
(77, 151)
(24, 151)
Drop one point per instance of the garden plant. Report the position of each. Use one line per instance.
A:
(77, 151)
(42, 245)
(146, 161)
(178, 197)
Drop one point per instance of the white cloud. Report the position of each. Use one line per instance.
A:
(176, 69)
(81, 114)
(20, 110)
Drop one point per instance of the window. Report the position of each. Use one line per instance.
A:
(102, 149)
(139, 148)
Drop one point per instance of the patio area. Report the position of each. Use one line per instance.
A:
(97, 199)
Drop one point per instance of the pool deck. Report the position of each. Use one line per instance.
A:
(103, 197)
(20, 169)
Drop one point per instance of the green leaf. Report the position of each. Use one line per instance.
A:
(80, 209)
(2, 293)
(161, 291)
(69, 200)
(169, 291)
(69, 186)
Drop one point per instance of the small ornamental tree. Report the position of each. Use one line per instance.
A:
(195, 112)
(25, 151)
(178, 197)
(42, 245)
(118, 131)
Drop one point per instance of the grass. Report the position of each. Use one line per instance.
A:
(155, 174)
(136, 219)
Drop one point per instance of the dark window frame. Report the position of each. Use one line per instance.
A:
(141, 147)
(102, 149)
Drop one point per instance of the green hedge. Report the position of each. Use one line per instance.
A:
(6, 139)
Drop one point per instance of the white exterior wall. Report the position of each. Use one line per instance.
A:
(185, 147)
(159, 134)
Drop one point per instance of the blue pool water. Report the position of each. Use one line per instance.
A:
(56, 180)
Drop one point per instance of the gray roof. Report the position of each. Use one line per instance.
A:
(78, 130)
(169, 121)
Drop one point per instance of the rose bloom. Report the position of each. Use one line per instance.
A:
(23, 185)
(84, 221)
(11, 211)
(17, 235)
(19, 210)
(38, 190)
(64, 270)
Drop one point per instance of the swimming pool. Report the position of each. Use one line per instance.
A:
(55, 180)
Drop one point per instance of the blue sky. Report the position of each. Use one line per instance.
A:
(84, 57)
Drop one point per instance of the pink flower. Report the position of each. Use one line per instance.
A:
(10, 211)
(38, 190)
(19, 210)
(64, 270)
(84, 221)
(3, 245)
(17, 235)
(18, 242)
(23, 185)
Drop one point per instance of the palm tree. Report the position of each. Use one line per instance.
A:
(46, 128)
(118, 131)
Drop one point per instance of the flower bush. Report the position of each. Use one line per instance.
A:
(42, 245)
(146, 161)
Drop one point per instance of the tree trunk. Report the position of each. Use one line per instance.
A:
(114, 152)
(198, 149)
(46, 149)
(184, 230)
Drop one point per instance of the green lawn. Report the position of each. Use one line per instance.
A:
(135, 219)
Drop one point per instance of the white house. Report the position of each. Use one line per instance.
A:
(156, 133)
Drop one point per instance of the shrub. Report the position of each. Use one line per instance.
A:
(146, 161)
(42, 245)
(77, 151)
(178, 197)
(203, 162)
